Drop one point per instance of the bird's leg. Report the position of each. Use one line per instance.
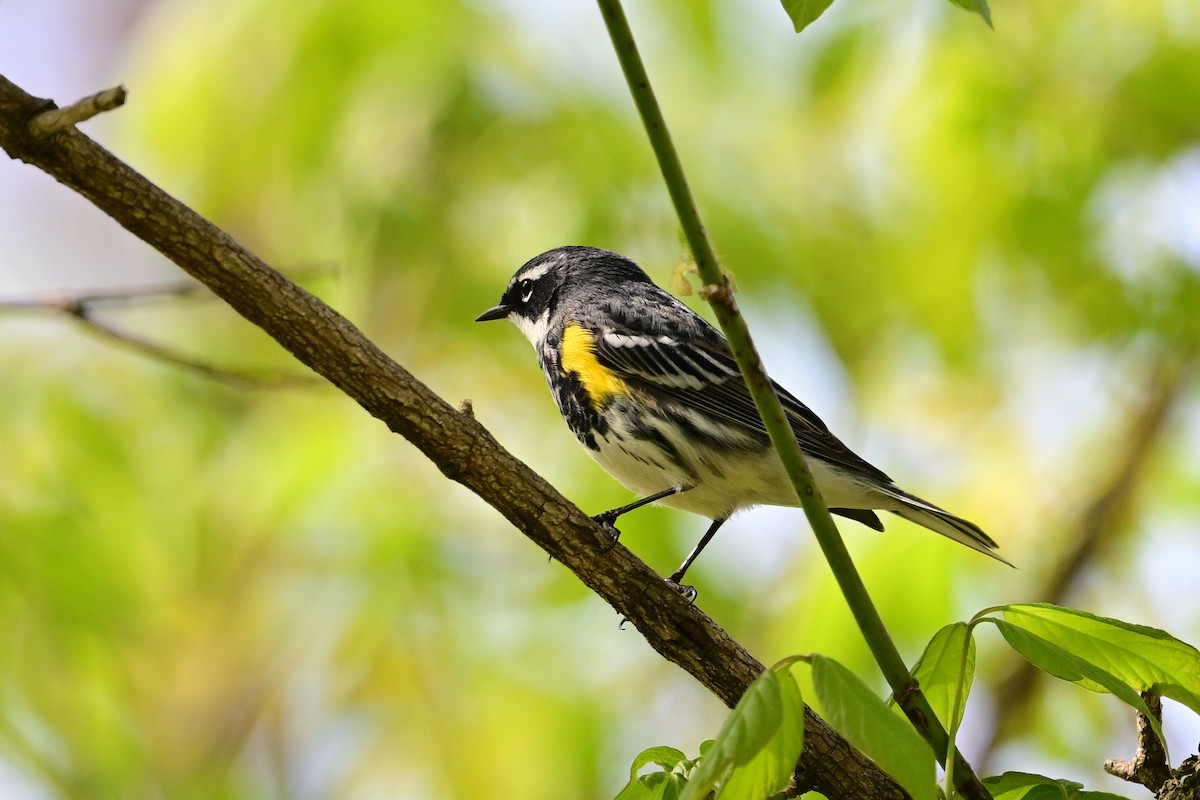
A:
(689, 592)
(607, 518)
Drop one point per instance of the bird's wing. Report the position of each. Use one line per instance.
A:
(699, 372)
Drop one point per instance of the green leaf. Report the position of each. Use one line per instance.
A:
(770, 770)
(938, 668)
(1029, 786)
(863, 718)
(757, 748)
(805, 12)
(1049, 657)
(1147, 659)
(666, 757)
(979, 7)
(665, 784)
(654, 786)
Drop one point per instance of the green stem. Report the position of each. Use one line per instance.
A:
(717, 291)
(956, 708)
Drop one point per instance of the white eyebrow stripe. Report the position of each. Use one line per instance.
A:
(536, 271)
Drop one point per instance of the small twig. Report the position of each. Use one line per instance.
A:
(80, 308)
(1149, 766)
(126, 295)
(131, 295)
(59, 119)
(237, 378)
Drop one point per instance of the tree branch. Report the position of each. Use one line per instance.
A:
(462, 449)
(1185, 783)
(1149, 766)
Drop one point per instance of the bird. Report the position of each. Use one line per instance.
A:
(653, 393)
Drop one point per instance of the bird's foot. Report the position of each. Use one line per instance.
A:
(606, 521)
(689, 593)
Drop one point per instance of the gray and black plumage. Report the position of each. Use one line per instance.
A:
(652, 392)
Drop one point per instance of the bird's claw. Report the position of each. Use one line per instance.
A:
(606, 521)
(689, 593)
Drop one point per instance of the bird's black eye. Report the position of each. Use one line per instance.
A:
(525, 287)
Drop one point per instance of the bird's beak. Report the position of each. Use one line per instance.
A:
(495, 312)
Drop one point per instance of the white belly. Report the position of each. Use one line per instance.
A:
(721, 485)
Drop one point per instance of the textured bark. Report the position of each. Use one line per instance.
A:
(1184, 783)
(1149, 765)
(461, 448)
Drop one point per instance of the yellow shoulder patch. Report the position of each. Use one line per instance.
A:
(579, 357)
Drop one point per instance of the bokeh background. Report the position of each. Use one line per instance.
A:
(976, 254)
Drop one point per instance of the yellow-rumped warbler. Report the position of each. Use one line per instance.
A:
(652, 392)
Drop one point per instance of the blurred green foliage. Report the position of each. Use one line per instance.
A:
(984, 244)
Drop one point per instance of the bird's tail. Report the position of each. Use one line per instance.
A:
(938, 520)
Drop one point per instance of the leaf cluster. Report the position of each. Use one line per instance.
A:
(753, 755)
